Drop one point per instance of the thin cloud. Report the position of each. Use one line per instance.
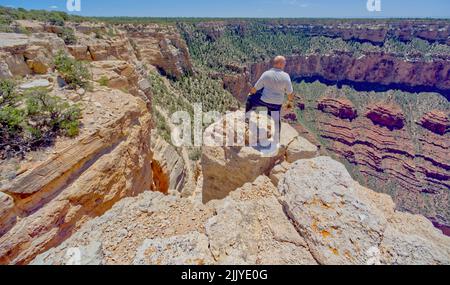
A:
(296, 3)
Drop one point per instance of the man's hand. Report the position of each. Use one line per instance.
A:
(290, 102)
(291, 98)
(253, 91)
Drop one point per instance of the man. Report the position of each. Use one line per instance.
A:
(270, 92)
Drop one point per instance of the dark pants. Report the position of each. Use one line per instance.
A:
(254, 101)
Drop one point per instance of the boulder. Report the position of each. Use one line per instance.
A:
(251, 228)
(345, 223)
(300, 148)
(81, 179)
(35, 84)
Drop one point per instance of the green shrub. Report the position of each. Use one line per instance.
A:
(68, 36)
(103, 81)
(75, 73)
(33, 120)
(56, 20)
(7, 96)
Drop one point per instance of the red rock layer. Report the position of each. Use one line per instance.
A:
(385, 152)
(389, 116)
(341, 108)
(436, 121)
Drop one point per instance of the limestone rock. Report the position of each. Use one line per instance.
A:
(190, 249)
(162, 47)
(220, 163)
(251, 228)
(300, 148)
(6, 204)
(278, 172)
(90, 254)
(390, 116)
(34, 84)
(6, 209)
(344, 223)
(79, 52)
(340, 107)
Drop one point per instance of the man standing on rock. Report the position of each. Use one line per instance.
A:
(270, 92)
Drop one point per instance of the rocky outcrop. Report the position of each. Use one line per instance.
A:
(82, 179)
(22, 54)
(116, 74)
(318, 215)
(344, 223)
(161, 47)
(220, 163)
(251, 228)
(340, 107)
(384, 115)
(131, 230)
(436, 121)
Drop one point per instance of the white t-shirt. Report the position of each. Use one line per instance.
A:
(276, 84)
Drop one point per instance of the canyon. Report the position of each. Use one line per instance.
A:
(384, 114)
(118, 193)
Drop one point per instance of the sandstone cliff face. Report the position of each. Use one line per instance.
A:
(21, 55)
(80, 180)
(61, 188)
(161, 47)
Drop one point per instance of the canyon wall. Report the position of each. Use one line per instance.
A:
(48, 196)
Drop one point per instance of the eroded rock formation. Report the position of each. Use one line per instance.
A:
(318, 215)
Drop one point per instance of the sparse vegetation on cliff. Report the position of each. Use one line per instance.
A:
(209, 92)
(74, 72)
(33, 119)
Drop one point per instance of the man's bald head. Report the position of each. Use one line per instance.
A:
(279, 62)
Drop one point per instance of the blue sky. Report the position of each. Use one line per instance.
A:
(245, 8)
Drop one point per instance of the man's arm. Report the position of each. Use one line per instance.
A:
(259, 85)
(290, 92)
